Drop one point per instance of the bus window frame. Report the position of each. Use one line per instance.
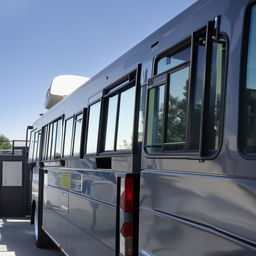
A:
(39, 135)
(35, 146)
(185, 43)
(128, 81)
(188, 42)
(83, 113)
(30, 156)
(61, 138)
(83, 133)
(64, 137)
(46, 140)
(242, 83)
(106, 97)
(163, 80)
(87, 128)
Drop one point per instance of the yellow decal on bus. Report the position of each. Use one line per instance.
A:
(65, 180)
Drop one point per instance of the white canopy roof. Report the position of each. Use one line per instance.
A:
(61, 87)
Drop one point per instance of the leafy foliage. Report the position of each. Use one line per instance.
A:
(5, 142)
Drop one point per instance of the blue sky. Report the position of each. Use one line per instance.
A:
(41, 39)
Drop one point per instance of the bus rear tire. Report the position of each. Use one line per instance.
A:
(42, 240)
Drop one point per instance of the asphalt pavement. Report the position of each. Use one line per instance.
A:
(17, 239)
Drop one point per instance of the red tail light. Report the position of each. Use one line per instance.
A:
(127, 196)
(126, 230)
(126, 216)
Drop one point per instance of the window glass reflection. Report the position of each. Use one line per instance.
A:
(93, 129)
(248, 116)
(53, 139)
(111, 123)
(35, 146)
(177, 106)
(125, 122)
(31, 146)
(215, 104)
(68, 137)
(45, 136)
(49, 142)
(196, 104)
(155, 115)
(58, 139)
(77, 138)
(38, 146)
(172, 61)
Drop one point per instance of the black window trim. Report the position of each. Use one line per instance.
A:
(32, 134)
(83, 113)
(54, 140)
(106, 97)
(187, 42)
(39, 134)
(117, 87)
(128, 81)
(164, 82)
(44, 142)
(64, 137)
(47, 138)
(61, 138)
(34, 146)
(87, 127)
(40, 148)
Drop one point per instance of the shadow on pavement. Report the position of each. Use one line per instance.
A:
(17, 239)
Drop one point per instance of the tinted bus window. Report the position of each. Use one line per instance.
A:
(177, 107)
(171, 61)
(216, 91)
(77, 135)
(45, 142)
(49, 146)
(142, 113)
(125, 121)
(34, 146)
(68, 137)
(111, 123)
(39, 146)
(93, 128)
(174, 109)
(155, 117)
(54, 131)
(58, 139)
(120, 117)
(31, 146)
(248, 113)
(196, 104)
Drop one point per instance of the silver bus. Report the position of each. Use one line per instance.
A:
(156, 154)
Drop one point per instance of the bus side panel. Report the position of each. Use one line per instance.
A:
(84, 244)
(162, 235)
(96, 218)
(176, 209)
(91, 209)
(56, 226)
(225, 204)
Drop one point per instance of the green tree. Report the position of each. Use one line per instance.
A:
(176, 118)
(5, 142)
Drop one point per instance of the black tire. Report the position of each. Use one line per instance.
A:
(42, 240)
